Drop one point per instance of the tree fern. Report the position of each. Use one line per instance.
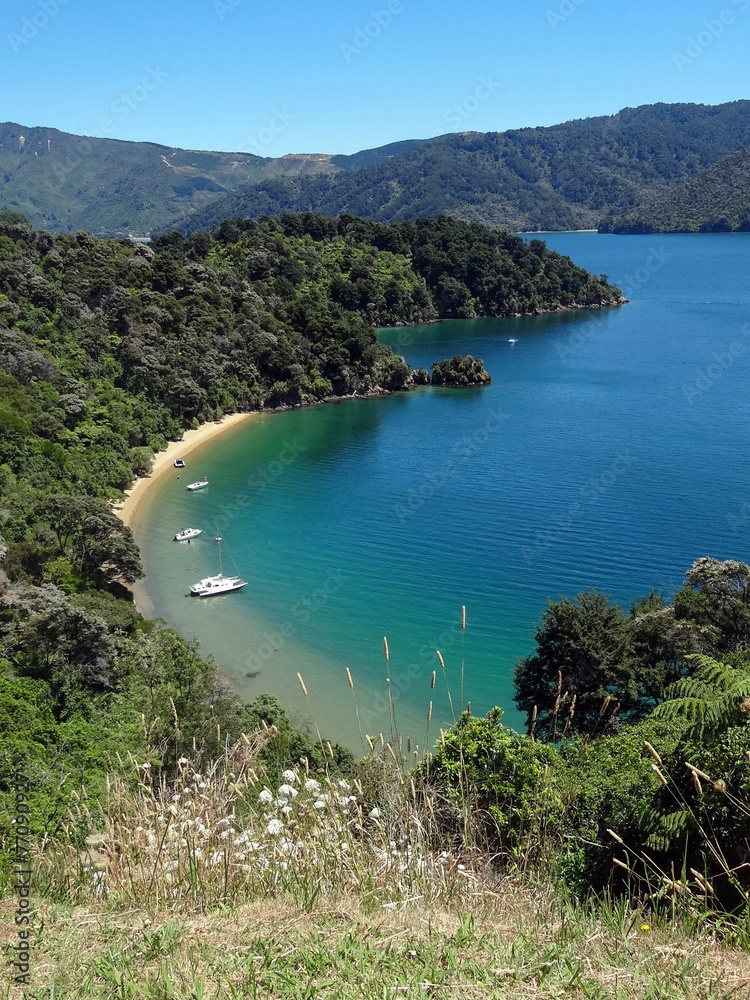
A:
(714, 698)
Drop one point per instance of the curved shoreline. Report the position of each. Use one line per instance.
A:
(193, 439)
(164, 461)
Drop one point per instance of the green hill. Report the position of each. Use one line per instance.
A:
(576, 175)
(63, 182)
(716, 201)
(568, 176)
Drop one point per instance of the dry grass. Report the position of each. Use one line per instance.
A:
(510, 943)
(215, 886)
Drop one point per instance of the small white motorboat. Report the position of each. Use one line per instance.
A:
(187, 533)
(513, 341)
(219, 584)
(179, 463)
(198, 485)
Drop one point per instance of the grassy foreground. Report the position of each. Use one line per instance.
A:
(213, 885)
(504, 942)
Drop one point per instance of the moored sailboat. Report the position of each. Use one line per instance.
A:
(213, 586)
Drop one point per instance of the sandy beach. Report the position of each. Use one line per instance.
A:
(164, 461)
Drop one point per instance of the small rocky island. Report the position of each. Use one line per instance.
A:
(455, 371)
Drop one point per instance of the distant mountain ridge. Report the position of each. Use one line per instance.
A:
(63, 182)
(577, 175)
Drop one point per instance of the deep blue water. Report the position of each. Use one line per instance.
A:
(610, 451)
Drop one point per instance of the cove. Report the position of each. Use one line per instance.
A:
(609, 452)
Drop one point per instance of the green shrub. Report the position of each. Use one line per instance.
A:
(498, 783)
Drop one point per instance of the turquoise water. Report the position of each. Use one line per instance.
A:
(610, 451)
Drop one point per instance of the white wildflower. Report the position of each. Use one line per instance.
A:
(265, 798)
(311, 785)
(275, 826)
(281, 800)
(319, 804)
(288, 791)
(216, 858)
(344, 785)
(223, 824)
(290, 777)
(286, 810)
(375, 813)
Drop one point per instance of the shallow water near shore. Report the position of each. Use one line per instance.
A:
(609, 452)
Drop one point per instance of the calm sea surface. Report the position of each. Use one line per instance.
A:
(611, 450)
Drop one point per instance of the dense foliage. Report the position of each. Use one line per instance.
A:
(568, 176)
(647, 716)
(589, 651)
(635, 774)
(458, 371)
(716, 201)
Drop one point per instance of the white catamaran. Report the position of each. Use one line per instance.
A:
(211, 586)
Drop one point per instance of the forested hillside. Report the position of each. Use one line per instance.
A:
(569, 176)
(65, 182)
(716, 201)
(575, 175)
(107, 350)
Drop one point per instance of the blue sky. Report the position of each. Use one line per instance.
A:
(342, 75)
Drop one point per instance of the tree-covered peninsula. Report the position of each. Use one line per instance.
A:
(107, 350)
(149, 780)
